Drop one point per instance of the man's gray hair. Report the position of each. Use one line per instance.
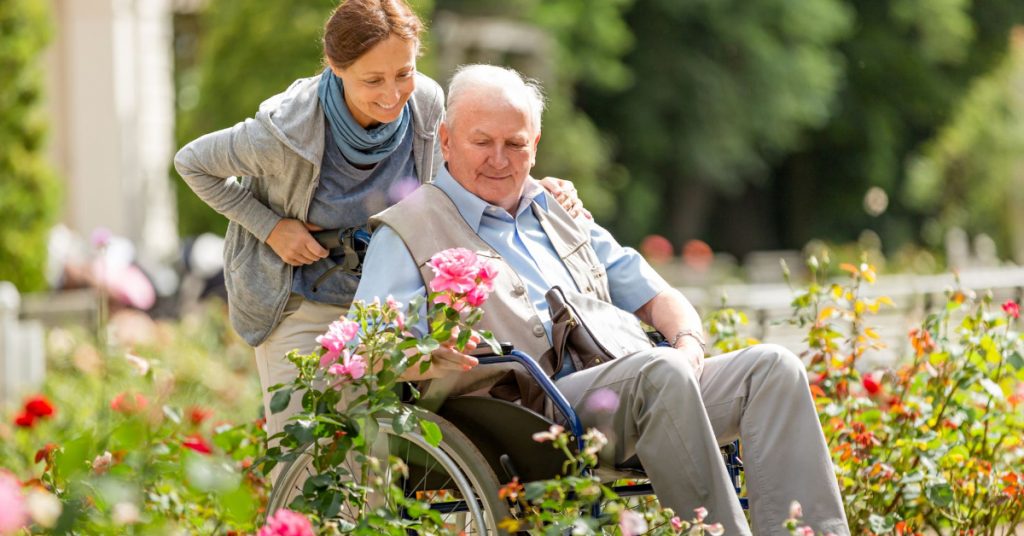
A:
(499, 81)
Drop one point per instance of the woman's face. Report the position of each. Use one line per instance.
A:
(379, 83)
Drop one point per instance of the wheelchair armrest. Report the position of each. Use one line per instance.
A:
(550, 390)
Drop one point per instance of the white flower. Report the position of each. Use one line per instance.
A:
(715, 529)
(550, 435)
(701, 513)
(795, 510)
(125, 513)
(632, 523)
(43, 507)
(102, 462)
(140, 365)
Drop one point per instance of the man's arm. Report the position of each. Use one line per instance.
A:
(672, 314)
(390, 270)
(635, 286)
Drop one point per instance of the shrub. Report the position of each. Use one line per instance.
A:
(28, 188)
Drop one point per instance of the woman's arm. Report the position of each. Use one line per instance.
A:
(209, 165)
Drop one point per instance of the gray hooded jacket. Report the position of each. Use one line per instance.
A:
(277, 156)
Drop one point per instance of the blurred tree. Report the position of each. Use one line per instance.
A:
(720, 90)
(971, 175)
(29, 195)
(909, 63)
(246, 52)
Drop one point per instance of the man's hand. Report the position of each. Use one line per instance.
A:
(695, 357)
(292, 241)
(565, 193)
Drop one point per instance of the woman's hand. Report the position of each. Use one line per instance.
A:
(292, 241)
(565, 193)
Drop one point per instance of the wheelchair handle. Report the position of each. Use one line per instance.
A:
(548, 386)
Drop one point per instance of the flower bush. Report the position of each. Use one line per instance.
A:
(352, 382)
(933, 443)
(161, 433)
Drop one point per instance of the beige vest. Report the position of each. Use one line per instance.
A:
(428, 221)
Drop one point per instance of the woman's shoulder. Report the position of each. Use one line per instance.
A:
(428, 94)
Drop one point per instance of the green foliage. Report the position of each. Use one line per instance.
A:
(719, 90)
(908, 65)
(28, 189)
(971, 175)
(248, 52)
(142, 444)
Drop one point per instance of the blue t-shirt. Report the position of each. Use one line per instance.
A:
(345, 197)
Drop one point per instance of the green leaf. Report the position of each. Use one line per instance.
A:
(401, 422)
(941, 495)
(431, 432)
(1016, 360)
(280, 400)
(426, 345)
(302, 431)
(880, 525)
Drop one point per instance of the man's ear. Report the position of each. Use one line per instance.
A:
(536, 143)
(445, 139)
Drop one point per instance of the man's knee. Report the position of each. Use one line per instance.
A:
(780, 361)
(667, 366)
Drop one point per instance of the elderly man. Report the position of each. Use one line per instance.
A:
(675, 407)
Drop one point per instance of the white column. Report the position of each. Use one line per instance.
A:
(111, 97)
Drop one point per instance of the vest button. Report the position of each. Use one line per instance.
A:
(519, 290)
(538, 330)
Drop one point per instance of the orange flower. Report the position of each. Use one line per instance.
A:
(922, 341)
(511, 490)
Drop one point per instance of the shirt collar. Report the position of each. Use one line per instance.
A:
(472, 208)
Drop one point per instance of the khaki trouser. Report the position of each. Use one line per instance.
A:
(674, 423)
(302, 322)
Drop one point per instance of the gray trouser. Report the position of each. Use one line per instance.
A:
(674, 423)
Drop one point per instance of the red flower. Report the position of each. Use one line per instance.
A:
(197, 443)
(44, 453)
(1012, 309)
(39, 406)
(25, 420)
(197, 414)
(128, 403)
(872, 383)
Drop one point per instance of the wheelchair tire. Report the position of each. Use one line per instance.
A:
(453, 477)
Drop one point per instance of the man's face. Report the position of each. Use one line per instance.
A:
(490, 148)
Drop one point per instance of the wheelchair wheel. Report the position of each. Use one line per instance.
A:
(453, 478)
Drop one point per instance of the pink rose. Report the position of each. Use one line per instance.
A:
(455, 270)
(477, 296)
(285, 522)
(14, 514)
(339, 333)
(352, 365)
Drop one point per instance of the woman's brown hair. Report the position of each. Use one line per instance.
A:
(356, 26)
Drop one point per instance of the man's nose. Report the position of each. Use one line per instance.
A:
(499, 158)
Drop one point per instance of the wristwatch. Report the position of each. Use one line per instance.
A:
(697, 336)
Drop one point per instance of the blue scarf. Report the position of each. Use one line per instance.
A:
(360, 146)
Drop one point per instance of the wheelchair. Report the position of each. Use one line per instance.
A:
(485, 443)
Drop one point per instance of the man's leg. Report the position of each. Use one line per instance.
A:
(660, 418)
(760, 395)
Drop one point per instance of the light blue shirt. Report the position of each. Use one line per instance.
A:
(389, 269)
